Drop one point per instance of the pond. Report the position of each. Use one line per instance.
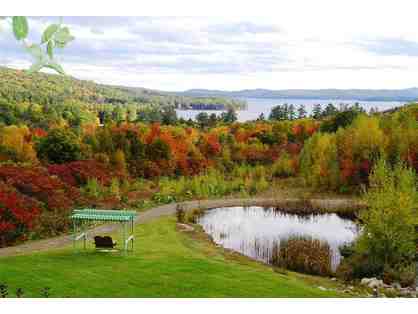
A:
(253, 230)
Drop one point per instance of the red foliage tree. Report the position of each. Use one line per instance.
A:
(18, 215)
(37, 183)
(39, 133)
(77, 173)
(210, 145)
(154, 133)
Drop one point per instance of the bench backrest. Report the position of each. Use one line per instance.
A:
(105, 242)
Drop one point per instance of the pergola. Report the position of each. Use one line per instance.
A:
(124, 217)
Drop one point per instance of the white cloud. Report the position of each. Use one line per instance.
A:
(341, 48)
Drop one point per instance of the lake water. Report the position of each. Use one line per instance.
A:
(256, 106)
(253, 230)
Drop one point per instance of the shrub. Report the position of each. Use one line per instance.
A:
(53, 222)
(303, 254)
(255, 186)
(347, 250)
(180, 214)
(163, 198)
(403, 274)
(193, 215)
(357, 266)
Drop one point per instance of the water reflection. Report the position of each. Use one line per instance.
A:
(252, 231)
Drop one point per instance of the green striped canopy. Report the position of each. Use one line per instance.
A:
(103, 215)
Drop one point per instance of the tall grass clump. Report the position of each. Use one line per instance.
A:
(303, 254)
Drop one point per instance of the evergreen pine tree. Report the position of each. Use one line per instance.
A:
(317, 111)
(291, 112)
(301, 112)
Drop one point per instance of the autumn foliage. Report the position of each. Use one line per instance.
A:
(48, 168)
(18, 215)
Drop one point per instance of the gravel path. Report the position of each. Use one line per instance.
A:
(164, 210)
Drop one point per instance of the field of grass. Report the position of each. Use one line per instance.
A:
(165, 263)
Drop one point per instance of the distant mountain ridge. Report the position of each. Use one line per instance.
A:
(408, 94)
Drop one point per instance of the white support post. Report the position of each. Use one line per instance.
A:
(74, 234)
(129, 239)
(81, 235)
(85, 235)
(76, 238)
(124, 236)
(132, 232)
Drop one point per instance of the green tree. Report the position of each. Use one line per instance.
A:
(317, 111)
(330, 110)
(59, 146)
(158, 150)
(388, 238)
(230, 116)
(213, 120)
(301, 112)
(119, 114)
(203, 119)
(291, 112)
(278, 113)
(169, 115)
(340, 120)
(114, 188)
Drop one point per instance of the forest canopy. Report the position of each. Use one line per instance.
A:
(65, 142)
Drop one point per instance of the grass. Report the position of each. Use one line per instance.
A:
(165, 263)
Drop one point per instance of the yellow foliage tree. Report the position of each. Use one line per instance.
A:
(17, 139)
(319, 162)
(119, 161)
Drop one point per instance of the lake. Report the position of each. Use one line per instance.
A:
(256, 106)
(254, 230)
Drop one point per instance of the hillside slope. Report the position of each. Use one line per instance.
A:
(17, 86)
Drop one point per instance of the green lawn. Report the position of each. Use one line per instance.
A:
(166, 263)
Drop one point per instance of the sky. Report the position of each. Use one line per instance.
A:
(299, 51)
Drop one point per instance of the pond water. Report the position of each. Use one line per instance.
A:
(253, 230)
(256, 106)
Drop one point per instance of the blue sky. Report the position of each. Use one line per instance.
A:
(178, 53)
